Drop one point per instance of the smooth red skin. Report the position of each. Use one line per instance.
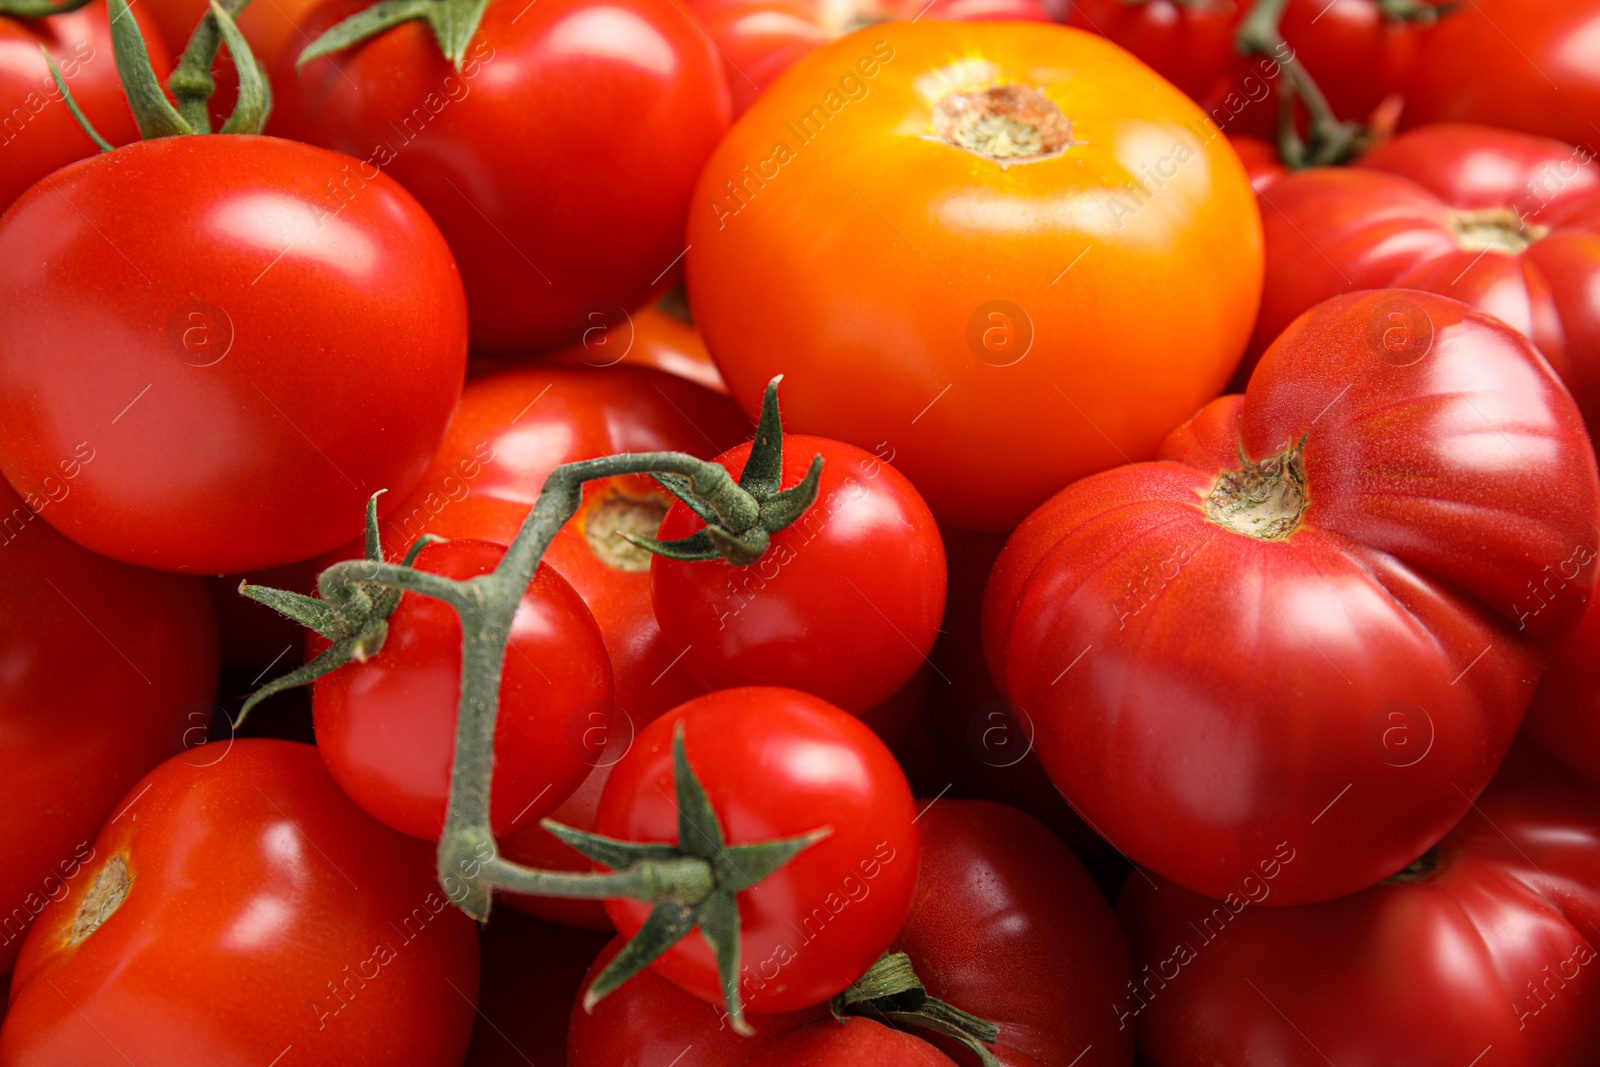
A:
(845, 603)
(50, 138)
(255, 883)
(1205, 728)
(1565, 716)
(1007, 925)
(387, 727)
(347, 357)
(760, 39)
(1388, 223)
(531, 974)
(1526, 66)
(777, 763)
(1357, 58)
(648, 337)
(1428, 973)
(1260, 159)
(550, 176)
(122, 659)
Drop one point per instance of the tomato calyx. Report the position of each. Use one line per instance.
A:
(1419, 870)
(1497, 229)
(38, 9)
(890, 993)
(743, 541)
(1006, 123)
(1265, 498)
(453, 23)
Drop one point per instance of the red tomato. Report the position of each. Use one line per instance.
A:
(387, 727)
(1565, 717)
(1484, 948)
(778, 763)
(1260, 159)
(648, 337)
(1007, 925)
(249, 354)
(531, 973)
(760, 39)
(239, 910)
(123, 660)
(1001, 318)
(1526, 65)
(1506, 222)
(845, 603)
(558, 161)
(269, 27)
(1327, 649)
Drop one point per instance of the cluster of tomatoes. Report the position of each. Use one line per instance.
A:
(999, 532)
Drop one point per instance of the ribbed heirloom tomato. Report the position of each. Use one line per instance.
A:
(1006, 250)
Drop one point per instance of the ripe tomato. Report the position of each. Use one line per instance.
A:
(558, 161)
(1003, 324)
(1260, 159)
(250, 353)
(269, 27)
(236, 911)
(648, 337)
(387, 727)
(845, 603)
(1486, 943)
(1565, 717)
(107, 670)
(1504, 221)
(1329, 649)
(778, 763)
(37, 132)
(1007, 925)
(531, 973)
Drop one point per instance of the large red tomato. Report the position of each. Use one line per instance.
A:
(250, 352)
(107, 670)
(1484, 949)
(1505, 221)
(1313, 626)
(241, 911)
(1565, 717)
(1004, 251)
(1007, 925)
(558, 160)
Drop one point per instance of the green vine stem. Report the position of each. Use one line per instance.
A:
(1328, 139)
(453, 23)
(38, 9)
(891, 993)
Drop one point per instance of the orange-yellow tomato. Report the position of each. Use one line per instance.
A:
(1008, 254)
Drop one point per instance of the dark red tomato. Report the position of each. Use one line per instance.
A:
(544, 159)
(648, 337)
(1485, 948)
(1565, 717)
(253, 335)
(105, 670)
(779, 763)
(1505, 221)
(1357, 55)
(1007, 925)
(387, 727)
(255, 638)
(531, 974)
(1526, 65)
(760, 39)
(1327, 647)
(845, 603)
(242, 910)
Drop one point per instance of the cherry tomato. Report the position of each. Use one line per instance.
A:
(558, 160)
(1325, 647)
(251, 334)
(845, 603)
(531, 973)
(1565, 717)
(387, 727)
(779, 763)
(240, 909)
(269, 27)
(1001, 318)
(1483, 948)
(648, 337)
(105, 670)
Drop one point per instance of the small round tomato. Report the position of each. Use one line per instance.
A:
(252, 335)
(387, 726)
(777, 763)
(240, 910)
(1565, 717)
(844, 604)
(105, 670)
(975, 243)
(558, 160)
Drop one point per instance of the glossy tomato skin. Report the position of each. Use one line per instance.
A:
(250, 354)
(1491, 948)
(543, 159)
(845, 603)
(1414, 213)
(778, 763)
(648, 337)
(1565, 716)
(987, 323)
(109, 670)
(259, 889)
(1341, 693)
(1260, 159)
(387, 727)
